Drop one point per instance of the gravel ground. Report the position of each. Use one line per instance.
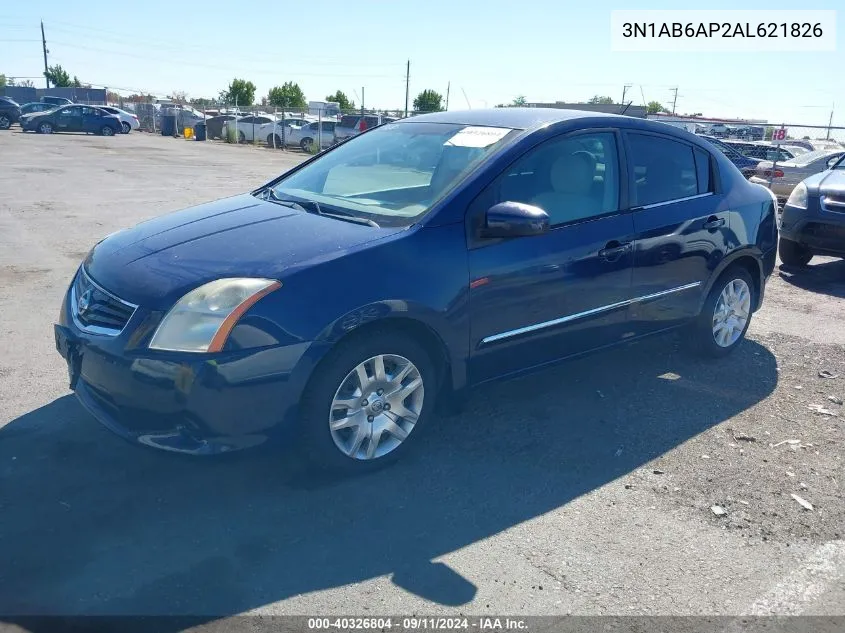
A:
(586, 489)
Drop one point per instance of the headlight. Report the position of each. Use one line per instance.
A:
(798, 197)
(202, 319)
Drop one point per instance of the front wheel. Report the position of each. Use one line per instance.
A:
(726, 315)
(305, 144)
(126, 127)
(367, 401)
(45, 128)
(5, 122)
(793, 254)
(107, 131)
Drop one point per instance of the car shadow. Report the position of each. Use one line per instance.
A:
(827, 277)
(92, 525)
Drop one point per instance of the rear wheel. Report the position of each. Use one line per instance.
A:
(126, 127)
(274, 140)
(366, 403)
(305, 144)
(107, 131)
(726, 315)
(793, 254)
(5, 122)
(45, 128)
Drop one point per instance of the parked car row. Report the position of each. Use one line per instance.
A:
(292, 131)
(57, 114)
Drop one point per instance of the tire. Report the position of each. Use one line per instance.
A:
(45, 128)
(274, 140)
(704, 337)
(336, 378)
(241, 137)
(106, 131)
(305, 144)
(5, 122)
(125, 127)
(793, 254)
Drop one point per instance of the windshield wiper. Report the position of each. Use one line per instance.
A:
(311, 206)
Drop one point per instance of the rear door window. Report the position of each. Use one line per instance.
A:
(663, 169)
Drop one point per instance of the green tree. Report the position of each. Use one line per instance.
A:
(58, 76)
(519, 101)
(341, 98)
(240, 91)
(201, 102)
(428, 101)
(288, 95)
(3, 81)
(654, 107)
(601, 100)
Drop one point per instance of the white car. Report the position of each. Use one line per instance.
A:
(267, 130)
(248, 127)
(128, 120)
(305, 136)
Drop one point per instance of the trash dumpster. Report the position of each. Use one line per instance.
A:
(168, 125)
(199, 132)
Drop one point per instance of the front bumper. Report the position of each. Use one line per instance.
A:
(199, 404)
(820, 229)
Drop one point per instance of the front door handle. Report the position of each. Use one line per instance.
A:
(714, 223)
(614, 250)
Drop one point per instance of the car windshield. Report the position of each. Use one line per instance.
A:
(396, 172)
(809, 157)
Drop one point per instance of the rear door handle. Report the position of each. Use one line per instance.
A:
(714, 223)
(614, 250)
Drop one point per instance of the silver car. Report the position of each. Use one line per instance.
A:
(788, 174)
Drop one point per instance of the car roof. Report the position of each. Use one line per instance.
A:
(515, 118)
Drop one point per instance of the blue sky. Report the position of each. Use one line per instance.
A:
(491, 51)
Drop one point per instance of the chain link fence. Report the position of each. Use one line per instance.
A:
(302, 129)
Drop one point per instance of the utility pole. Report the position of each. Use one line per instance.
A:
(407, 85)
(448, 87)
(830, 120)
(675, 100)
(362, 99)
(44, 48)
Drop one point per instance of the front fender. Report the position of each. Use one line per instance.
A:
(451, 333)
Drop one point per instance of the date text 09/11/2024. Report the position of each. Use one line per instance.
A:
(416, 624)
(722, 29)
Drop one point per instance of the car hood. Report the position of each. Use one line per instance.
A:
(827, 182)
(158, 261)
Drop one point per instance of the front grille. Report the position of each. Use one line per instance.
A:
(834, 202)
(95, 309)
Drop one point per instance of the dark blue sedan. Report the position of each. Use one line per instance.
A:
(336, 305)
(72, 118)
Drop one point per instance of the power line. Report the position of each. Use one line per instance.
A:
(273, 71)
(109, 36)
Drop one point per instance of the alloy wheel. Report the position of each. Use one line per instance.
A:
(733, 309)
(46, 128)
(5, 122)
(376, 406)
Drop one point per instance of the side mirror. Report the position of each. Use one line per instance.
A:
(515, 219)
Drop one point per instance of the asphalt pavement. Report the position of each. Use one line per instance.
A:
(639, 481)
